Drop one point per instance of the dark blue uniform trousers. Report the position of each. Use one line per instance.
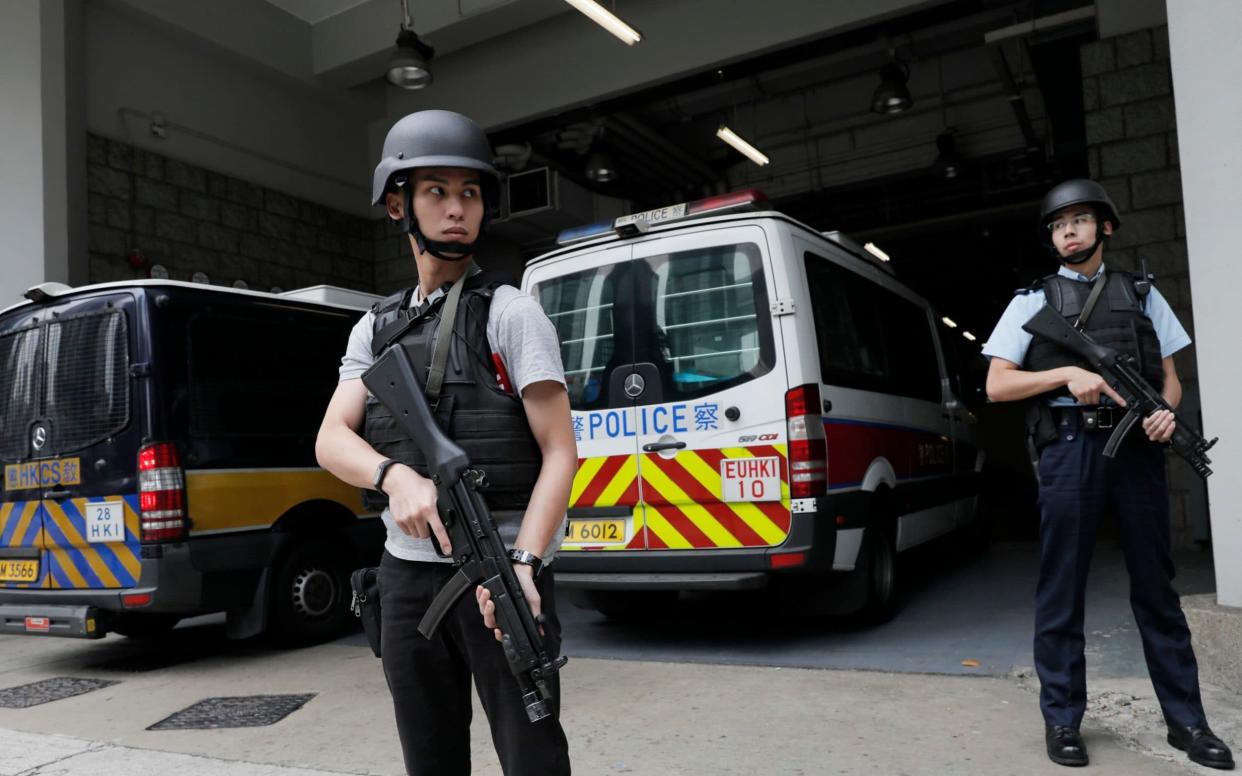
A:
(1077, 486)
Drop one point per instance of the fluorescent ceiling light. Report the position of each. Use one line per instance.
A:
(604, 18)
(968, 336)
(949, 322)
(875, 251)
(744, 148)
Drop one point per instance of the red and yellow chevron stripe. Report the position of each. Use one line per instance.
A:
(677, 502)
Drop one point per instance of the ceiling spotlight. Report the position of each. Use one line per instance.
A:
(952, 324)
(408, 67)
(948, 164)
(968, 336)
(892, 96)
(600, 169)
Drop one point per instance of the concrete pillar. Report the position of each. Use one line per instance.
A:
(42, 146)
(1202, 36)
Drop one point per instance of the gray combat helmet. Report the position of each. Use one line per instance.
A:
(432, 138)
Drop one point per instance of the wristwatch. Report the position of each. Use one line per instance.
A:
(527, 559)
(380, 471)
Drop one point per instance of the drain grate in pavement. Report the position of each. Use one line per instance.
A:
(48, 690)
(243, 711)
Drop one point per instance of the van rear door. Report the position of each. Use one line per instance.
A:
(589, 298)
(710, 414)
(79, 457)
(21, 510)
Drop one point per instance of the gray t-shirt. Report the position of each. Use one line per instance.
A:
(519, 332)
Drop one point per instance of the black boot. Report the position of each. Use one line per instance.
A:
(1065, 746)
(1202, 746)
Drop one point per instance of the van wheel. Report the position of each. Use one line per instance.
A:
(144, 626)
(308, 595)
(879, 553)
(626, 605)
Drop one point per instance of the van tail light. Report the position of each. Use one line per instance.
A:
(161, 493)
(808, 445)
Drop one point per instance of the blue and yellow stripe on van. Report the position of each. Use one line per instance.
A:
(21, 525)
(73, 563)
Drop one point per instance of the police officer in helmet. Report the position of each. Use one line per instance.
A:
(1071, 411)
(499, 392)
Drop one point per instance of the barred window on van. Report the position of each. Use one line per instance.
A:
(703, 319)
(581, 307)
(87, 379)
(19, 390)
(694, 315)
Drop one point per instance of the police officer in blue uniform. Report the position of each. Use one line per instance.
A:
(1070, 414)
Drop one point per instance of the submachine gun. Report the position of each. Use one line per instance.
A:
(1118, 369)
(479, 553)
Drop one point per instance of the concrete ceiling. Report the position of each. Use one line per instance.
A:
(315, 11)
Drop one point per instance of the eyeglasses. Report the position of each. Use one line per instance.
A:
(1080, 220)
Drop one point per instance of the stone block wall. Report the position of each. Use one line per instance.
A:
(1132, 151)
(189, 219)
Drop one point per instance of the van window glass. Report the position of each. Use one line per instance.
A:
(701, 316)
(19, 395)
(261, 376)
(581, 307)
(868, 337)
(87, 362)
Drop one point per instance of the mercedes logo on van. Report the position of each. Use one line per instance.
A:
(634, 386)
(39, 438)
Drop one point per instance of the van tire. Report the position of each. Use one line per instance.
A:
(879, 565)
(309, 594)
(137, 625)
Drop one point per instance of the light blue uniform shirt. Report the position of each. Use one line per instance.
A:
(1010, 342)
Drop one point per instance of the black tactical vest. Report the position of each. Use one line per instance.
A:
(487, 422)
(1117, 322)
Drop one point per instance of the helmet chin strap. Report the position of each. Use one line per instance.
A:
(438, 248)
(1078, 257)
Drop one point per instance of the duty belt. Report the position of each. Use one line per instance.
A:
(1096, 418)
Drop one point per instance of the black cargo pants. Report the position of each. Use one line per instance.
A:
(430, 679)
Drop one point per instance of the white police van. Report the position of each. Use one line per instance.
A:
(752, 400)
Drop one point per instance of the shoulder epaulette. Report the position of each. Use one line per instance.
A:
(390, 302)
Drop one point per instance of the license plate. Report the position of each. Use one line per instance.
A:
(19, 570)
(751, 479)
(43, 474)
(653, 216)
(596, 531)
(105, 522)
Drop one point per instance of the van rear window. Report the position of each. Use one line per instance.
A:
(87, 362)
(19, 394)
(700, 316)
(73, 373)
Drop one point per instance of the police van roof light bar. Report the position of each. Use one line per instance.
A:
(634, 224)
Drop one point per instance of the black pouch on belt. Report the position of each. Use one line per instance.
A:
(1041, 427)
(366, 603)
